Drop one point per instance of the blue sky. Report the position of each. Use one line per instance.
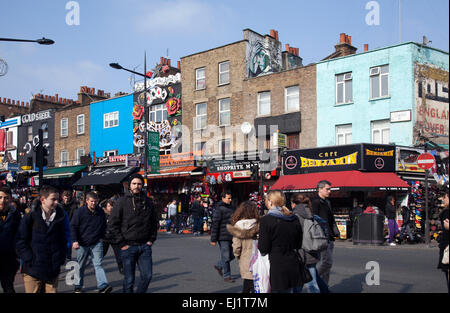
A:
(121, 30)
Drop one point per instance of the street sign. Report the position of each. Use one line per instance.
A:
(426, 161)
(132, 161)
(153, 152)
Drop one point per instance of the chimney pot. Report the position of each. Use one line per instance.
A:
(168, 62)
(366, 47)
(179, 65)
(276, 35)
(162, 60)
(342, 38)
(272, 33)
(93, 90)
(349, 40)
(287, 47)
(9, 101)
(14, 102)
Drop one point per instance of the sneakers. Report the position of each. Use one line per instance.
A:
(107, 289)
(219, 270)
(228, 280)
(77, 290)
(392, 244)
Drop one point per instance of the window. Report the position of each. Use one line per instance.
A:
(200, 80)
(158, 113)
(200, 146)
(79, 153)
(44, 128)
(344, 88)
(343, 134)
(292, 141)
(110, 153)
(224, 112)
(224, 146)
(264, 103)
(80, 124)
(111, 119)
(381, 131)
(64, 127)
(224, 73)
(379, 82)
(200, 119)
(64, 158)
(30, 133)
(291, 98)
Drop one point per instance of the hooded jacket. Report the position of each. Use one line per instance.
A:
(221, 217)
(390, 210)
(8, 231)
(279, 236)
(244, 232)
(302, 211)
(42, 248)
(133, 220)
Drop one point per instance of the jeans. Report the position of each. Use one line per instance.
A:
(316, 285)
(142, 256)
(393, 229)
(226, 256)
(116, 250)
(168, 224)
(326, 263)
(96, 254)
(197, 224)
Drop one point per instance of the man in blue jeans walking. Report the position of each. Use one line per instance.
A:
(88, 227)
(219, 233)
(133, 224)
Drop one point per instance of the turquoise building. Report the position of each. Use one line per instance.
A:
(375, 96)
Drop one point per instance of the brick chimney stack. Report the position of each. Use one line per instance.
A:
(344, 47)
(366, 47)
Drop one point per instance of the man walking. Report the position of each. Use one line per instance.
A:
(219, 233)
(171, 216)
(391, 213)
(197, 215)
(133, 224)
(88, 227)
(9, 223)
(41, 243)
(321, 206)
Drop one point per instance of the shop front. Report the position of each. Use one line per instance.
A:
(358, 173)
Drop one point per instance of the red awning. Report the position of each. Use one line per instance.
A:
(345, 180)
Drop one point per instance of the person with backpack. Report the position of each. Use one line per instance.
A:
(315, 240)
(244, 227)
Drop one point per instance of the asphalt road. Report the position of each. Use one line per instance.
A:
(184, 264)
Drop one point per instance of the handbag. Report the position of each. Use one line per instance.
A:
(305, 275)
(445, 256)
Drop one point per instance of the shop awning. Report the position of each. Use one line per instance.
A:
(62, 172)
(183, 171)
(345, 180)
(106, 175)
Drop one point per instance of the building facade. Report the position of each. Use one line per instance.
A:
(387, 95)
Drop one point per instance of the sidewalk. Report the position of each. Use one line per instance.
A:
(349, 244)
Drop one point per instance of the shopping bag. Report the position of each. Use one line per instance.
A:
(260, 268)
(445, 256)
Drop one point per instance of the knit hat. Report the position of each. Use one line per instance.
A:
(138, 176)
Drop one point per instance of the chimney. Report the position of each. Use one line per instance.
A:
(287, 47)
(342, 38)
(162, 60)
(168, 62)
(344, 47)
(14, 102)
(56, 97)
(179, 65)
(9, 101)
(366, 47)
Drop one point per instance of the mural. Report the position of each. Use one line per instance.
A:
(263, 55)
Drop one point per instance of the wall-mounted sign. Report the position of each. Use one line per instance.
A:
(39, 116)
(279, 140)
(401, 116)
(217, 166)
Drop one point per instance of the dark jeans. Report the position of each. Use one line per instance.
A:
(226, 256)
(197, 225)
(248, 286)
(116, 250)
(8, 269)
(142, 256)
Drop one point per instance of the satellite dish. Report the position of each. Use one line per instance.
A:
(246, 128)
(3, 67)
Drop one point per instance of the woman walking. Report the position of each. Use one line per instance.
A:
(244, 228)
(280, 235)
(444, 238)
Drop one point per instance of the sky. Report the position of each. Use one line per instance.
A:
(107, 31)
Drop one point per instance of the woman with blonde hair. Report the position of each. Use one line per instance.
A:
(244, 228)
(280, 235)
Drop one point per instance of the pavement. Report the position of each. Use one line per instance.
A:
(183, 263)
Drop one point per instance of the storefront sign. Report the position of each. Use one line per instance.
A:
(378, 158)
(153, 152)
(39, 116)
(218, 166)
(178, 159)
(406, 160)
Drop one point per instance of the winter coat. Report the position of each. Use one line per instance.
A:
(196, 209)
(303, 212)
(133, 220)
(391, 211)
(8, 231)
(443, 240)
(322, 208)
(221, 217)
(42, 248)
(244, 232)
(87, 228)
(279, 236)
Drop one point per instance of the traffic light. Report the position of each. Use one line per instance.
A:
(41, 152)
(254, 175)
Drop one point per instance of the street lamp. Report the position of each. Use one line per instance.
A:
(117, 66)
(42, 41)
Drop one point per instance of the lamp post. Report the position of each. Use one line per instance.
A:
(42, 41)
(117, 66)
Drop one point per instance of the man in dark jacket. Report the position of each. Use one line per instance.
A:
(197, 215)
(321, 206)
(9, 223)
(41, 243)
(134, 224)
(219, 233)
(391, 213)
(69, 204)
(88, 227)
